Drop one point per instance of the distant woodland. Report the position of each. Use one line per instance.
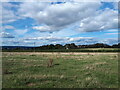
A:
(65, 48)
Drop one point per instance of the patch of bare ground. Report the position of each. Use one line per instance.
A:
(31, 84)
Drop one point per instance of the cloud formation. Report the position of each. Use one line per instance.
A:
(8, 27)
(59, 23)
(21, 31)
(8, 14)
(110, 41)
(63, 40)
(54, 17)
(6, 35)
(104, 19)
(43, 28)
(48, 38)
(57, 16)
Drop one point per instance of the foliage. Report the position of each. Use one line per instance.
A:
(66, 48)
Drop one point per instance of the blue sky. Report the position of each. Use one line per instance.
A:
(24, 23)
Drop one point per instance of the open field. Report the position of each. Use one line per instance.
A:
(70, 70)
(66, 50)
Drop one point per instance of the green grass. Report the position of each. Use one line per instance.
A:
(69, 71)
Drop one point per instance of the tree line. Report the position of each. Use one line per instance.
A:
(73, 46)
(67, 46)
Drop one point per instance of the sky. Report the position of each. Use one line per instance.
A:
(42, 23)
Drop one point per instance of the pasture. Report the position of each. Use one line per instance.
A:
(69, 70)
(64, 50)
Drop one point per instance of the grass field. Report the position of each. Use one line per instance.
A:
(65, 50)
(70, 70)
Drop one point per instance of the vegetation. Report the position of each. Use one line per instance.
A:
(65, 50)
(99, 47)
(69, 70)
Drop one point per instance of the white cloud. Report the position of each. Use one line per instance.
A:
(82, 40)
(67, 40)
(8, 15)
(6, 35)
(9, 5)
(102, 20)
(110, 41)
(17, 42)
(63, 40)
(54, 17)
(43, 28)
(79, 38)
(48, 38)
(113, 30)
(21, 31)
(57, 16)
(31, 9)
(65, 18)
(115, 4)
(8, 27)
(60, 40)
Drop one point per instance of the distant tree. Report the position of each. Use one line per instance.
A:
(70, 46)
(73, 46)
(116, 45)
(58, 46)
(51, 46)
(100, 45)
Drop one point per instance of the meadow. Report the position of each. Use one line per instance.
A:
(64, 50)
(69, 70)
